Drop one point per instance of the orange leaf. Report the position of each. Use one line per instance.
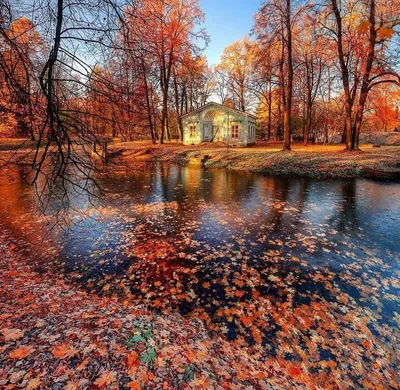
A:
(60, 351)
(12, 334)
(256, 334)
(64, 350)
(21, 352)
(259, 375)
(242, 376)
(294, 371)
(385, 32)
(134, 385)
(132, 362)
(366, 344)
(247, 321)
(363, 27)
(71, 386)
(239, 293)
(106, 378)
(83, 365)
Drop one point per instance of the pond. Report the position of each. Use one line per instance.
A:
(306, 270)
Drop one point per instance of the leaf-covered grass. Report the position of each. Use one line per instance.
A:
(317, 161)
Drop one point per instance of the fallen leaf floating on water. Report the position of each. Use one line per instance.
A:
(261, 307)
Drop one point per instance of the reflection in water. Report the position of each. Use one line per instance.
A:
(262, 259)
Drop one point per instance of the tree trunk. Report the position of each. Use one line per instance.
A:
(269, 110)
(365, 85)
(289, 81)
(344, 133)
(148, 105)
(345, 75)
(178, 107)
(308, 123)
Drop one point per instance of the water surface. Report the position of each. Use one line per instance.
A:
(306, 269)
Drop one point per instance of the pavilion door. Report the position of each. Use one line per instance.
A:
(207, 132)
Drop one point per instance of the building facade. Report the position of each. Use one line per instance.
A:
(215, 122)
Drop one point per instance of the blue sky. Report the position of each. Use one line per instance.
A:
(226, 22)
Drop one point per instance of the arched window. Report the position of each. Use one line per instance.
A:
(212, 116)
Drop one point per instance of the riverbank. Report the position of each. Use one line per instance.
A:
(315, 161)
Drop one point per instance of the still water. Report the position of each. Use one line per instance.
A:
(267, 260)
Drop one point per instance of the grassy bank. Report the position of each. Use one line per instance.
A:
(318, 161)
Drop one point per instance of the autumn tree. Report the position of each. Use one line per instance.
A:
(234, 71)
(263, 84)
(20, 58)
(362, 35)
(311, 61)
(167, 32)
(73, 36)
(194, 83)
(382, 108)
(274, 24)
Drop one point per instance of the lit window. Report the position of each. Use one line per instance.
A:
(235, 131)
(192, 129)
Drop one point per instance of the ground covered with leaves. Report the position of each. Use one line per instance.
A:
(316, 161)
(56, 336)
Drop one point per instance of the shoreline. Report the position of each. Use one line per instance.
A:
(316, 161)
(313, 161)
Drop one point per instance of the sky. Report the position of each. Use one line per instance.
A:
(226, 22)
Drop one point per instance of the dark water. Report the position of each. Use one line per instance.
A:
(224, 246)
